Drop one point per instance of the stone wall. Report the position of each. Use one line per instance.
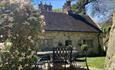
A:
(110, 58)
(52, 38)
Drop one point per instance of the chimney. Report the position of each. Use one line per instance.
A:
(45, 7)
(67, 6)
(50, 8)
(41, 7)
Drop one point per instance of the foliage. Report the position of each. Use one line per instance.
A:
(57, 10)
(79, 7)
(21, 26)
(73, 7)
(106, 27)
(84, 47)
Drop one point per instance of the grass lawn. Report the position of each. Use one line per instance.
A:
(96, 62)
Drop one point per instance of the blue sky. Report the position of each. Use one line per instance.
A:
(105, 6)
(55, 3)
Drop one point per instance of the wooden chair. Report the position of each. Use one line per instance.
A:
(62, 56)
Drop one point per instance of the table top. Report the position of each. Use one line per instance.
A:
(51, 52)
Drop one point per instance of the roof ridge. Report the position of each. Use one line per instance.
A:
(85, 21)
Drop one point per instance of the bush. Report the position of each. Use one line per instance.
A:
(22, 28)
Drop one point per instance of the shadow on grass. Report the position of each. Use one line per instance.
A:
(75, 68)
(70, 68)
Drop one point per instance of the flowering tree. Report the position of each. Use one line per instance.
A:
(19, 27)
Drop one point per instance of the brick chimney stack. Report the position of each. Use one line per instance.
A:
(45, 7)
(67, 6)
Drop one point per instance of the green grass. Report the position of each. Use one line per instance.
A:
(96, 62)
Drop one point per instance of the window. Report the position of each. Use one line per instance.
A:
(68, 42)
(48, 42)
(88, 42)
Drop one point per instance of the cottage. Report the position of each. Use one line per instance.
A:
(68, 28)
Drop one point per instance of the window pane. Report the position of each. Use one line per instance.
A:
(68, 42)
(90, 43)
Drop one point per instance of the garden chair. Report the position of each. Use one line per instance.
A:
(62, 57)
